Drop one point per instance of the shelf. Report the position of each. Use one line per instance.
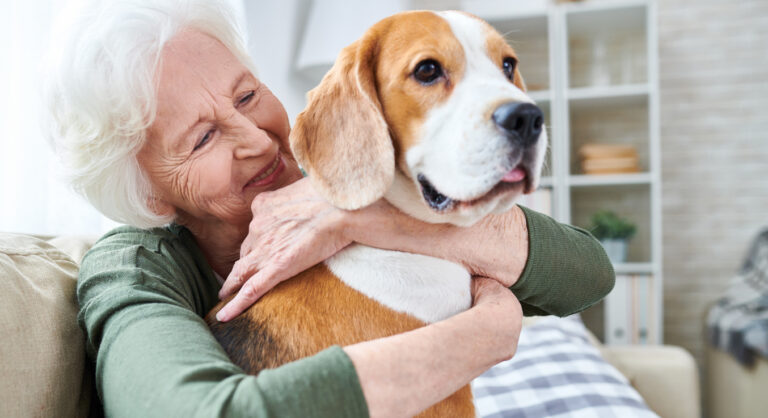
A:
(608, 95)
(605, 5)
(602, 180)
(607, 44)
(540, 96)
(630, 268)
(609, 179)
(606, 16)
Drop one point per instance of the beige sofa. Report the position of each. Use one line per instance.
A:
(733, 390)
(42, 360)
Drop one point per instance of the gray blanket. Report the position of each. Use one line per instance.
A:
(738, 323)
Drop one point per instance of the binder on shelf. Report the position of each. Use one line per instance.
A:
(643, 310)
(617, 319)
(629, 311)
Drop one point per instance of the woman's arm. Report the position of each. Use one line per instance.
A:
(141, 297)
(553, 268)
(496, 246)
(434, 361)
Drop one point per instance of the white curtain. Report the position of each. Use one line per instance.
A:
(32, 197)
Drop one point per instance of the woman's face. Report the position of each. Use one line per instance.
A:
(219, 138)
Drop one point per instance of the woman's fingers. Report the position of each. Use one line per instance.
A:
(249, 293)
(292, 229)
(243, 268)
(254, 285)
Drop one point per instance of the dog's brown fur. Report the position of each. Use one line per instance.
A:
(308, 313)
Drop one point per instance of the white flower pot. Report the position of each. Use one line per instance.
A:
(616, 249)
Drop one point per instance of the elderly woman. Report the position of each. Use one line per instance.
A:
(163, 126)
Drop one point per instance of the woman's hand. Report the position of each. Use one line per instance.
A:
(293, 229)
(504, 312)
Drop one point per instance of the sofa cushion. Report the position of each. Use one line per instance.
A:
(556, 371)
(42, 358)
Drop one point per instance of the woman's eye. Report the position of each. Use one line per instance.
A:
(508, 66)
(204, 140)
(245, 99)
(427, 71)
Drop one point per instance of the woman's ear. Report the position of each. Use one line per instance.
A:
(341, 139)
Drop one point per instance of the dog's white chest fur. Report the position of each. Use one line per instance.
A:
(427, 288)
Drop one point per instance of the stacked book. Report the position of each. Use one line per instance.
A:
(608, 159)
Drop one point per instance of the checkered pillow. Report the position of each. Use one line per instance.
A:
(556, 372)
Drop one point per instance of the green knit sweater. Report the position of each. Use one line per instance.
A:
(142, 295)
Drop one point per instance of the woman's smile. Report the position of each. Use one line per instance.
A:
(268, 174)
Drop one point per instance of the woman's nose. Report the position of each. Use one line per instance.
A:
(250, 140)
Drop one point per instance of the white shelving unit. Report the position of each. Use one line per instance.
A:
(592, 67)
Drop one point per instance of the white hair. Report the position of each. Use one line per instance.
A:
(101, 92)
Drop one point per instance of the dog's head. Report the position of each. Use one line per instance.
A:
(428, 110)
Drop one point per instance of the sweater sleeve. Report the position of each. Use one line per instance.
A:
(141, 300)
(567, 269)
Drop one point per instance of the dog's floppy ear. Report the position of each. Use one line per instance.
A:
(341, 139)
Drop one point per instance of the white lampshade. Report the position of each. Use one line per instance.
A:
(334, 24)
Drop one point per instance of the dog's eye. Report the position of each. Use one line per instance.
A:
(509, 65)
(427, 71)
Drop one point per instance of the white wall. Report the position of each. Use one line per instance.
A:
(32, 198)
(274, 31)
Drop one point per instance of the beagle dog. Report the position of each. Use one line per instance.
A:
(429, 111)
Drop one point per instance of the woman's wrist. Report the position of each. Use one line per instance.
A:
(436, 360)
(503, 239)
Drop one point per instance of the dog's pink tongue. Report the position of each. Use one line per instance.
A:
(515, 175)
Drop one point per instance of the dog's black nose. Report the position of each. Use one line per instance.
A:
(521, 120)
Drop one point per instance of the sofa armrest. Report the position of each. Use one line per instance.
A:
(666, 377)
(74, 246)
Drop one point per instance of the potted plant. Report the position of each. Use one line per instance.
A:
(614, 233)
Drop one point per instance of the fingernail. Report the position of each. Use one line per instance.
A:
(221, 317)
